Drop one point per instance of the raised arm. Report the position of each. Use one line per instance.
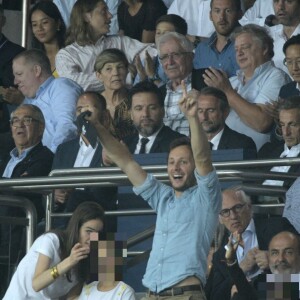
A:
(200, 146)
(117, 152)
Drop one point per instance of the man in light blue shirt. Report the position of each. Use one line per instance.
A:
(218, 51)
(55, 97)
(187, 211)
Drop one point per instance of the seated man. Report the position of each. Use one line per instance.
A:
(284, 259)
(55, 97)
(175, 53)
(187, 210)
(213, 109)
(28, 159)
(147, 112)
(218, 51)
(85, 151)
(289, 123)
(236, 216)
(257, 83)
(291, 51)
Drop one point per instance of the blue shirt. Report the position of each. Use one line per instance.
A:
(184, 229)
(57, 99)
(15, 159)
(206, 55)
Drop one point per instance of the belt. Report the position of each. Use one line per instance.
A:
(177, 290)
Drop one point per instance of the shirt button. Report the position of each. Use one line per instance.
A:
(159, 265)
(161, 249)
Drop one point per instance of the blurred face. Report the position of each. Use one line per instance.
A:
(113, 75)
(146, 113)
(176, 62)
(25, 135)
(162, 28)
(99, 19)
(224, 16)
(239, 219)
(287, 11)
(289, 121)
(284, 257)
(249, 53)
(26, 77)
(292, 61)
(181, 166)
(87, 228)
(43, 27)
(210, 115)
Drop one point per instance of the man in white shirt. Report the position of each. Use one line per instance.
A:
(257, 82)
(288, 16)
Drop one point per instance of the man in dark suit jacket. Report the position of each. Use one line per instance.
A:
(213, 109)
(147, 112)
(291, 50)
(8, 50)
(289, 122)
(236, 216)
(84, 151)
(29, 158)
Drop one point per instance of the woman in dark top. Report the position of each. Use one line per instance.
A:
(137, 18)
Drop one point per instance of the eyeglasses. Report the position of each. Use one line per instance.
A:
(236, 209)
(291, 62)
(16, 122)
(173, 55)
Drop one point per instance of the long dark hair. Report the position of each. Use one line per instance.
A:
(85, 212)
(51, 10)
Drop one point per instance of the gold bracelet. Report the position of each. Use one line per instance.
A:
(54, 272)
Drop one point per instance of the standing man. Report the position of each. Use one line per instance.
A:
(288, 16)
(55, 97)
(218, 51)
(187, 210)
(147, 112)
(176, 55)
(213, 109)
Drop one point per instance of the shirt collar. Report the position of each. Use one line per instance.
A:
(153, 136)
(290, 152)
(187, 81)
(216, 139)
(258, 70)
(43, 87)
(14, 153)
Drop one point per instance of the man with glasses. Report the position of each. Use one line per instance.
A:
(175, 52)
(236, 216)
(291, 50)
(28, 159)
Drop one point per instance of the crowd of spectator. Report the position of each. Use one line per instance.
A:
(104, 80)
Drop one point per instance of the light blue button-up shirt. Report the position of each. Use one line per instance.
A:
(15, 159)
(184, 230)
(57, 99)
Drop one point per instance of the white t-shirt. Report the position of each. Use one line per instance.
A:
(121, 292)
(21, 284)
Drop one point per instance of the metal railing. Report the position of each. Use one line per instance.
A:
(83, 177)
(30, 221)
